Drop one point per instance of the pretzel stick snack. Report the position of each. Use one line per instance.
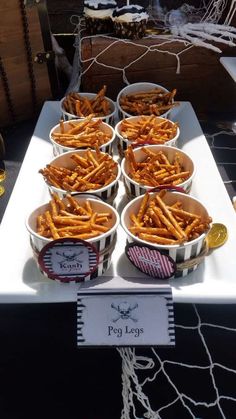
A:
(82, 133)
(148, 130)
(154, 101)
(89, 172)
(82, 106)
(77, 222)
(156, 222)
(155, 169)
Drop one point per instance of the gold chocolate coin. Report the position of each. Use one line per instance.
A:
(2, 175)
(2, 190)
(217, 235)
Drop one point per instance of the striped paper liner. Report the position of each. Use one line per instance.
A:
(134, 189)
(123, 144)
(59, 149)
(108, 119)
(108, 195)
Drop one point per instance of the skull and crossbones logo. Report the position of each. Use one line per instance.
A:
(124, 310)
(70, 256)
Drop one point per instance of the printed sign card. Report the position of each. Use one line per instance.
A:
(125, 318)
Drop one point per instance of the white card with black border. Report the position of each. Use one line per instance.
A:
(125, 317)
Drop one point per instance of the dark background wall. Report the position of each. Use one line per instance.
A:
(61, 11)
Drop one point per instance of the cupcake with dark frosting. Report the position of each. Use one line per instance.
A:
(98, 15)
(130, 21)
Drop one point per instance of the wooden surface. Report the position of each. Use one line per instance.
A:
(202, 79)
(14, 58)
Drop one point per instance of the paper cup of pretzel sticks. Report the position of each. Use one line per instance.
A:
(138, 132)
(101, 177)
(180, 169)
(103, 243)
(104, 135)
(183, 257)
(160, 96)
(106, 116)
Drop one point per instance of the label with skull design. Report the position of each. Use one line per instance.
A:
(125, 317)
(68, 260)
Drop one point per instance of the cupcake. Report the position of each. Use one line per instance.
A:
(130, 21)
(98, 15)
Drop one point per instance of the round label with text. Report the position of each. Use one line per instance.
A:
(68, 260)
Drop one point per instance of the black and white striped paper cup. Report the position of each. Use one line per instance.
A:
(107, 193)
(124, 142)
(179, 253)
(134, 188)
(60, 149)
(104, 244)
(109, 119)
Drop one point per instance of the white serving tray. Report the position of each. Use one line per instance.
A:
(20, 280)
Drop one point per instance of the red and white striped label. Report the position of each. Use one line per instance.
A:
(151, 261)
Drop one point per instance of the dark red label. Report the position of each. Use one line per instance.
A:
(68, 259)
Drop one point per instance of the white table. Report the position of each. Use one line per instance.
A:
(229, 63)
(21, 282)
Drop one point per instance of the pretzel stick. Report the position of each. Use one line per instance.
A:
(156, 239)
(170, 217)
(51, 225)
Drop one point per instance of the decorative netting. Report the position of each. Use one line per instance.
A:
(181, 27)
(191, 381)
(81, 65)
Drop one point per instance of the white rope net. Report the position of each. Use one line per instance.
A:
(149, 379)
(82, 66)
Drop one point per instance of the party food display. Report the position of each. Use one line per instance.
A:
(130, 21)
(98, 14)
(154, 101)
(82, 106)
(168, 219)
(148, 130)
(69, 218)
(155, 169)
(159, 223)
(92, 171)
(81, 133)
